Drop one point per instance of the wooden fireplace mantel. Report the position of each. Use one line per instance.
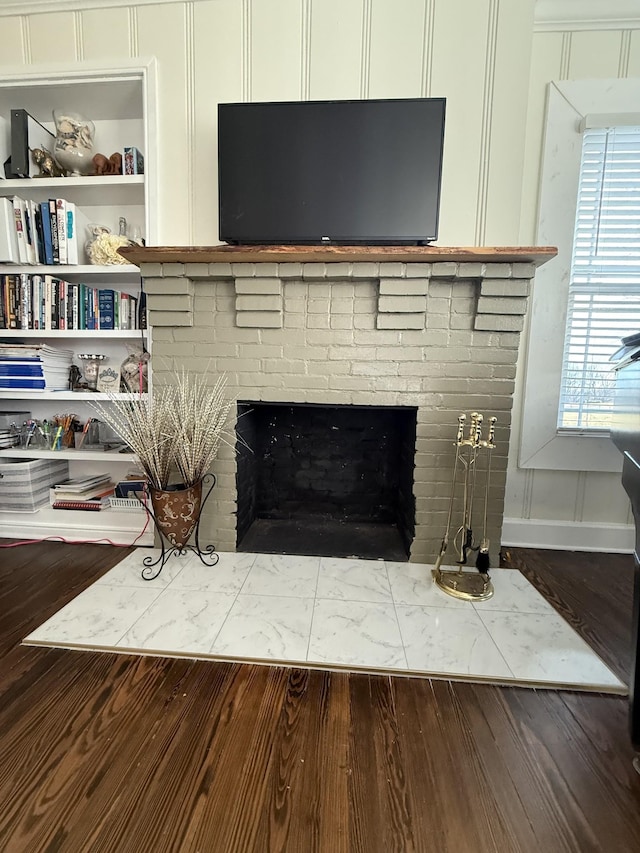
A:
(336, 254)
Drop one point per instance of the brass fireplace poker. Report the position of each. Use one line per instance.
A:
(469, 585)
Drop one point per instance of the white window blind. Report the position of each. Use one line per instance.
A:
(604, 290)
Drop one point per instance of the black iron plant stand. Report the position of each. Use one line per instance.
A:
(207, 556)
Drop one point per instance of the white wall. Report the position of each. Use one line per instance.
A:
(473, 52)
(571, 509)
(479, 54)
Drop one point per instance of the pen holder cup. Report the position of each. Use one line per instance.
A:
(86, 438)
(107, 436)
(34, 437)
(62, 440)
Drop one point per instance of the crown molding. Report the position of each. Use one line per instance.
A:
(10, 8)
(550, 15)
(563, 15)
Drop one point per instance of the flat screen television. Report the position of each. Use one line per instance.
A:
(343, 172)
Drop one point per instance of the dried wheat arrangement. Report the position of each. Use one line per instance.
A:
(198, 414)
(177, 430)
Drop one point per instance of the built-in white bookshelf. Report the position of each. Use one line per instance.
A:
(121, 102)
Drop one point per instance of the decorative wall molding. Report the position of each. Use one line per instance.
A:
(487, 115)
(550, 15)
(562, 15)
(9, 8)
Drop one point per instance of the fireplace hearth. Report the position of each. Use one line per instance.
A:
(325, 480)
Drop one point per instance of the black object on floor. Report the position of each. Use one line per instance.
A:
(325, 538)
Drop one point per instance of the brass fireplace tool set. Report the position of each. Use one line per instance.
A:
(472, 452)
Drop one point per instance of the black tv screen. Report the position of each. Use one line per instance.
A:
(343, 172)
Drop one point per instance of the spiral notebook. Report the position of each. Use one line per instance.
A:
(90, 505)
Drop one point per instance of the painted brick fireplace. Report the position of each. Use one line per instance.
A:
(431, 330)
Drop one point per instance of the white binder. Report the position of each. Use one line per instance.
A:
(9, 253)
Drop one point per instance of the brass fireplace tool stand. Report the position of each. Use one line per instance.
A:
(470, 449)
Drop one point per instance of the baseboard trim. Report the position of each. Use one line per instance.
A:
(568, 535)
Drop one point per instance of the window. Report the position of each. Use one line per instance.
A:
(604, 286)
(571, 105)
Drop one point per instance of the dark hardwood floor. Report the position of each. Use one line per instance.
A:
(110, 753)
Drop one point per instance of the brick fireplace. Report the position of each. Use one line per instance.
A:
(428, 330)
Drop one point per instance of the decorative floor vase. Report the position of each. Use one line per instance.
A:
(177, 509)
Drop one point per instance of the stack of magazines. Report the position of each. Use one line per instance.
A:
(10, 425)
(88, 493)
(34, 367)
(9, 438)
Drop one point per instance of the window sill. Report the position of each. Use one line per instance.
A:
(571, 452)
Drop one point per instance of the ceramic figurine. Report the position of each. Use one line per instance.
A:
(46, 163)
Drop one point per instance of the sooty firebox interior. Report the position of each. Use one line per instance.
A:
(333, 481)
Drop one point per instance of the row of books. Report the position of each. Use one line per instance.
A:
(47, 232)
(41, 367)
(32, 301)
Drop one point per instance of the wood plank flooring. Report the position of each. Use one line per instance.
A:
(113, 753)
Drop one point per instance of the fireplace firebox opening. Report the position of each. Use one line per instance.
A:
(325, 480)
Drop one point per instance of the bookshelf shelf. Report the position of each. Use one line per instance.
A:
(117, 271)
(96, 455)
(76, 525)
(100, 181)
(65, 395)
(104, 190)
(102, 334)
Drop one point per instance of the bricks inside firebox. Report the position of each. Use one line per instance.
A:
(343, 463)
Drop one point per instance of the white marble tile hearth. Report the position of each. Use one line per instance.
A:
(370, 615)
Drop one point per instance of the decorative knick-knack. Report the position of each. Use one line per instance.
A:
(73, 149)
(102, 246)
(90, 366)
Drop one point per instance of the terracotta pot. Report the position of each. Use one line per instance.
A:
(177, 509)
